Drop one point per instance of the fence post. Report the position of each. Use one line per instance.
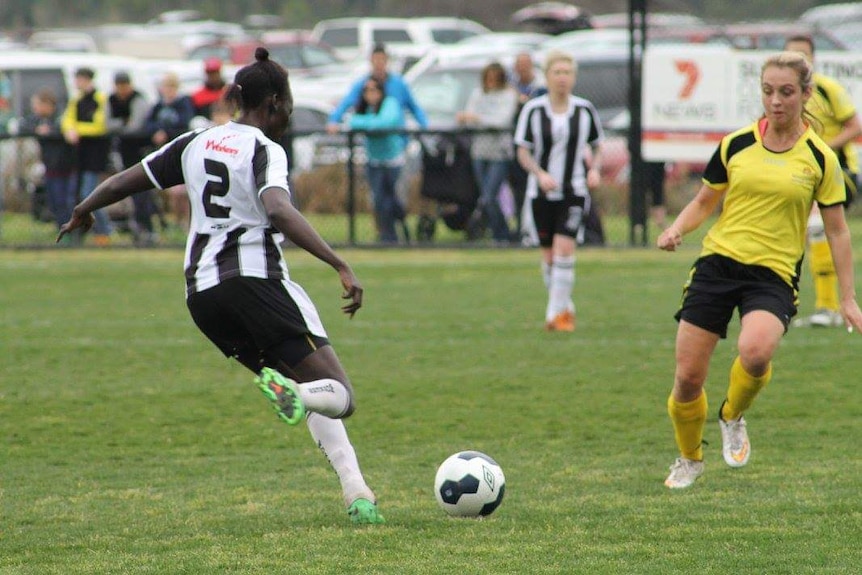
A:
(351, 191)
(637, 180)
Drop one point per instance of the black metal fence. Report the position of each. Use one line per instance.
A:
(437, 190)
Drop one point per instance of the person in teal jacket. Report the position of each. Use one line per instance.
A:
(377, 111)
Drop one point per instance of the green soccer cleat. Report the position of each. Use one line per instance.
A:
(364, 512)
(283, 393)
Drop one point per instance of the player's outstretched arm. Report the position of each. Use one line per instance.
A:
(838, 235)
(289, 221)
(112, 190)
(690, 218)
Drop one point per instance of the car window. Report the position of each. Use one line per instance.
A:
(307, 120)
(605, 84)
(391, 36)
(204, 52)
(341, 37)
(450, 35)
(288, 56)
(314, 56)
(24, 83)
(443, 93)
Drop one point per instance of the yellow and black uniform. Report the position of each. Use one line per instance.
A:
(832, 106)
(752, 255)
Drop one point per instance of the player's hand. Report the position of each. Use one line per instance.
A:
(547, 182)
(852, 315)
(669, 239)
(594, 178)
(78, 221)
(352, 291)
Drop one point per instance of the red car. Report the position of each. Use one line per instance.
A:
(293, 49)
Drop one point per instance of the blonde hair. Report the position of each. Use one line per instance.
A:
(797, 62)
(555, 56)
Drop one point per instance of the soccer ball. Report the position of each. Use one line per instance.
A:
(469, 484)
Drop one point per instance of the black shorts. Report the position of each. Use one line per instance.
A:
(255, 321)
(565, 217)
(718, 284)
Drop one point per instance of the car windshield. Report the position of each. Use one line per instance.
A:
(443, 93)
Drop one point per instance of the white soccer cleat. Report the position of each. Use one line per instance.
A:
(826, 318)
(735, 446)
(683, 473)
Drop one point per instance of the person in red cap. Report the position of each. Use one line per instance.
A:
(212, 89)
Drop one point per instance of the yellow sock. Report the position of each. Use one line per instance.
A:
(742, 390)
(825, 278)
(688, 420)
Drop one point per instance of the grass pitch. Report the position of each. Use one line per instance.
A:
(131, 446)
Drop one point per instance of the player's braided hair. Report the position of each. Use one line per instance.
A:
(256, 82)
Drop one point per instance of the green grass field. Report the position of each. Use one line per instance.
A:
(131, 446)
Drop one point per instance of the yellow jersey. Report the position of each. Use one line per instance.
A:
(831, 105)
(768, 196)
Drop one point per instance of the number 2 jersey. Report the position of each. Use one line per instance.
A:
(224, 169)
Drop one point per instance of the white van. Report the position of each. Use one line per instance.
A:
(27, 72)
(354, 38)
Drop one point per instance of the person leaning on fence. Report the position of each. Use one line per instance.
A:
(57, 155)
(393, 84)
(377, 111)
(832, 107)
(555, 134)
(85, 125)
(129, 110)
(492, 105)
(766, 176)
(169, 117)
(238, 289)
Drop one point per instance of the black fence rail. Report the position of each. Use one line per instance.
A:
(437, 193)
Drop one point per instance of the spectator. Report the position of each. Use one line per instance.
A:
(832, 107)
(169, 118)
(129, 110)
(58, 156)
(212, 89)
(85, 125)
(555, 134)
(492, 105)
(393, 85)
(524, 78)
(654, 178)
(528, 84)
(376, 110)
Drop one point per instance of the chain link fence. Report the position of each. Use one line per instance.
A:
(436, 188)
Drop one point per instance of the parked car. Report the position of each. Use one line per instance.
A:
(296, 50)
(505, 41)
(354, 38)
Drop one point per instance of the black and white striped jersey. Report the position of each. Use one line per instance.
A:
(224, 169)
(559, 142)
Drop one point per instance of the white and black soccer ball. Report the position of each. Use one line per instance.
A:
(469, 484)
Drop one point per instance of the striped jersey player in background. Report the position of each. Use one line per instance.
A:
(238, 289)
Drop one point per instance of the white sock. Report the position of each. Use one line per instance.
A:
(331, 437)
(561, 286)
(325, 396)
(546, 274)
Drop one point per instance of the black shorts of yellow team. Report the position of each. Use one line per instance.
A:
(255, 321)
(564, 217)
(717, 285)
